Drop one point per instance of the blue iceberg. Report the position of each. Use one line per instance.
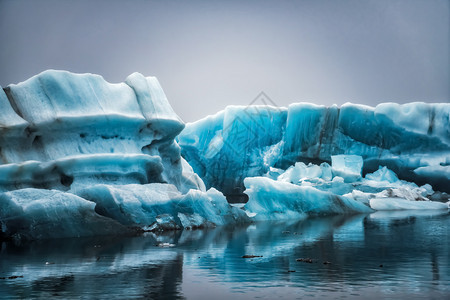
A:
(412, 140)
(272, 200)
(305, 190)
(80, 156)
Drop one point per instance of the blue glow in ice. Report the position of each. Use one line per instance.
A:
(411, 139)
(80, 156)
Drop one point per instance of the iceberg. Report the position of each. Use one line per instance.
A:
(305, 190)
(412, 140)
(302, 172)
(80, 156)
(225, 148)
(274, 200)
(79, 128)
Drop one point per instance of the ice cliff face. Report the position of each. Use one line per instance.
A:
(77, 151)
(411, 139)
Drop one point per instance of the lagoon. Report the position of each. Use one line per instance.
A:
(390, 255)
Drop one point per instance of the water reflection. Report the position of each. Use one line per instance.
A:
(385, 255)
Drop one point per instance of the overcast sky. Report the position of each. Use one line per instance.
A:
(210, 54)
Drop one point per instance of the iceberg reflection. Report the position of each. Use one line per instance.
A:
(383, 254)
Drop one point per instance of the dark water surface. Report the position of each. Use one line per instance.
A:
(394, 255)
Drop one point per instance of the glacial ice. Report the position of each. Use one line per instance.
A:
(272, 200)
(300, 172)
(225, 148)
(348, 167)
(80, 156)
(135, 204)
(383, 174)
(39, 213)
(412, 140)
(304, 190)
(403, 204)
(71, 123)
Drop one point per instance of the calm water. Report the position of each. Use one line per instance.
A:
(382, 255)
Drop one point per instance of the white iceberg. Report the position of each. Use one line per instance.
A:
(388, 203)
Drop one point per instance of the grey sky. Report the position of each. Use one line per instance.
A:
(209, 54)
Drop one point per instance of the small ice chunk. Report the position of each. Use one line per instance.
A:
(273, 173)
(383, 174)
(326, 171)
(427, 189)
(359, 196)
(338, 179)
(408, 193)
(348, 167)
(403, 204)
(193, 221)
(165, 245)
(301, 171)
(162, 223)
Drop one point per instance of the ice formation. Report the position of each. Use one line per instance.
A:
(412, 140)
(348, 167)
(271, 200)
(80, 156)
(304, 190)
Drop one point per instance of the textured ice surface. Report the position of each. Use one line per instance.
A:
(73, 125)
(80, 156)
(411, 139)
(144, 205)
(348, 167)
(225, 148)
(302, 172)
(38, 213)
(270, 199)
(383, 174)
(403, 204)
(304, 190)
